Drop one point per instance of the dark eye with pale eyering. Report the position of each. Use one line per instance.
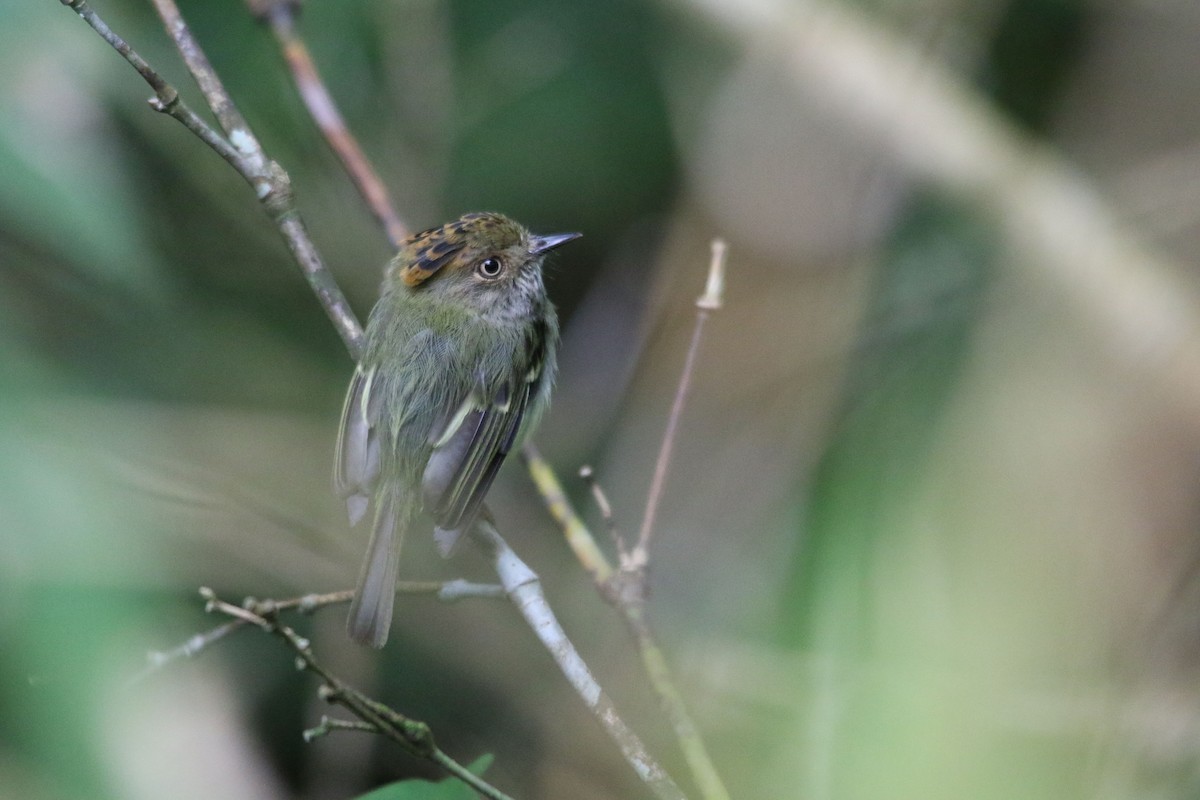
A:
(489, 268)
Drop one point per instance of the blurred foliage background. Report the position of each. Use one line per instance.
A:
(932, 526)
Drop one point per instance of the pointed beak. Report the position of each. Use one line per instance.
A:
(543, 244)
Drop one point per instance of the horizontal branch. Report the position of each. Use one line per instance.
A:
(448, 591)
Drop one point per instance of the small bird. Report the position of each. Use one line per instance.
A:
(459, 359)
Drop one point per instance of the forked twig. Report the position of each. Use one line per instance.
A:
(272, 187)
(578, 537)
(625, 591)
(625, 587)
(412, 735)
(166, 99)
(240, 148)
(525, 590)
(448, 591)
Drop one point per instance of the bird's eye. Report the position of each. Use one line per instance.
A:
(489, 267)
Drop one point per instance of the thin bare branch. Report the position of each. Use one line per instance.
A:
(241, 150)
(412, 735)
(319, 278)
(578, 537)
(447, 591)
(709, 301)
(157, 659)
(166, 99)
(327, 725)
(704, 772)
(222, 105)
(273, 189)
(605, 508)
(271, 183)
(525, 590)
(455, 590)
(625, 588)
(280, 17)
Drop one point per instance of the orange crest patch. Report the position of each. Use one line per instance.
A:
(430, 251)
(424, 253)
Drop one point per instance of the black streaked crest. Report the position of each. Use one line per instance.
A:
(424, 253)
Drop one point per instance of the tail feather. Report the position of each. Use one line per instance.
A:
(370, 617)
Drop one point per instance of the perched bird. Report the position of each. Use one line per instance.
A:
(458, 363)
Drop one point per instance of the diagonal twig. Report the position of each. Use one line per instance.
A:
(222, 105)
(709, 301)
(280, 17)
(273, 189)
(448, 591)
(166, 99)
(578, 537)
(271, 183)
(240, 149)
(525, 590)
(625, 587)
(412, 735)
(606, 514)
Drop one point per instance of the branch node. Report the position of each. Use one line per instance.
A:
(267, 609)
(459, 589)
(628, 587)
(273, 187)
(165, 101)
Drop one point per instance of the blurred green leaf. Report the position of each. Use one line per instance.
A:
(445, 789)
(78, 194)
(916, 336)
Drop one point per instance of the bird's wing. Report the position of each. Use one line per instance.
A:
(468, 450)
(356, 465)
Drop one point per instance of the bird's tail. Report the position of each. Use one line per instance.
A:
(371, 611)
